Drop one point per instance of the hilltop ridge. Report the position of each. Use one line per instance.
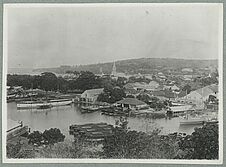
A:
(133, 66)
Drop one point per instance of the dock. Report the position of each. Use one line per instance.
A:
(91, 131)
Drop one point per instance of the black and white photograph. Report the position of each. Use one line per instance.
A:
(112, 83)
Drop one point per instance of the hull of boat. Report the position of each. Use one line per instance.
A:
(30, 105)
(35, 105)
(191, 122)
(55, 103)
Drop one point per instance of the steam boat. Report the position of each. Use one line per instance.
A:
(43, 104)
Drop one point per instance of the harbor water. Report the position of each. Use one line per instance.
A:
(63, 116)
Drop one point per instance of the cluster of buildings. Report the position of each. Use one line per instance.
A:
(159, 86)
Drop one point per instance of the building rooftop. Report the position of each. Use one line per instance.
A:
(94, 91)
(131, 101)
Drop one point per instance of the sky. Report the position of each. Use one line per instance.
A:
(48, 36)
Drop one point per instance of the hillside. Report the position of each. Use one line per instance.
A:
(133, 66)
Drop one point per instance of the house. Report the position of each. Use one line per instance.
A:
(153, 85)
(187, 70)
(171, 87)
(131, 103)
(136, 86)
(164, 94)
(215, 90)
(201, 95)
(132, 92)
(90, 96)
(187, 77)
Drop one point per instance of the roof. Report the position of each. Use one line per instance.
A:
(182, 93)
(94, 91)
(131, 101)
(213, 87)
(205, 91)
(131, 91)
(129, 86)
(158, 93)
(153, 84)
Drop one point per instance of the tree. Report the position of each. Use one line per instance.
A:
(139, 145)
(52, 136)
(86, 80)
(35, 138)
(12, 150)
(144, 97)
(111, 95)
(121, 81)
(187, 88)
(48, 81)
(203, 143)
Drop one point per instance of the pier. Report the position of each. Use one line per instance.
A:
(91, 131)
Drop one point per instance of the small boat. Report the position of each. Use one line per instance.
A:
(192, 121)
(89, 109)
(212, 121)
(60, 102)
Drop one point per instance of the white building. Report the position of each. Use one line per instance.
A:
(199, 96)
(90, 96)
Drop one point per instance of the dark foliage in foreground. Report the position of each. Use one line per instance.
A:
(201, 144)
(48, 137)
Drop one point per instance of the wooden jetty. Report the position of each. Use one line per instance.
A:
(15, 129)
(91, 131)
(17, 132)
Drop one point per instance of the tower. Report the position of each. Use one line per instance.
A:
(114, 70)
(101, 71)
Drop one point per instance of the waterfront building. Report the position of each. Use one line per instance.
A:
(90, 96)
(131, 103)
(201, 95)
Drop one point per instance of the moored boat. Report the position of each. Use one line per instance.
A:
(43, 104)
(192, 121)
(211, 121)
(89, 109)
(60, 102)
(30, 104)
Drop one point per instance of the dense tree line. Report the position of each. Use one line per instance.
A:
(50, 82)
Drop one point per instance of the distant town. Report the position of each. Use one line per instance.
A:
(170, 92)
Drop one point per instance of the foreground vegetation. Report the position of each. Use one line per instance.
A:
(203, 143)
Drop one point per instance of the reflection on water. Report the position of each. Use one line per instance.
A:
(64, 116)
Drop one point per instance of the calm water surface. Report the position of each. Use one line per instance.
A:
(64, 116)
